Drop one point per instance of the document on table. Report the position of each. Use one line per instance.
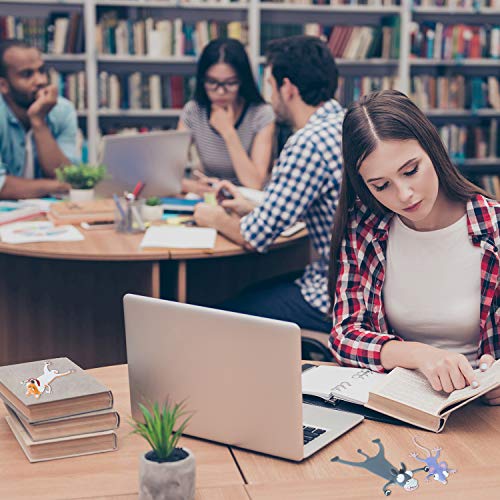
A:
(179, 237)
(33, 232)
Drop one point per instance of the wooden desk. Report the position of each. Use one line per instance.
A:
(65, 298)
(109, 474)
(470, 443)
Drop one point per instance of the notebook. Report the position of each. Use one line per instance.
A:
(179, 237)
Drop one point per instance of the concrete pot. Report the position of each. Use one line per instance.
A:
(152, 213)
(76, 195)
(167, 480)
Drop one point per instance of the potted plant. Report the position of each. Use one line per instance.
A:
(82, 178)
(152, 209)
(166, 472)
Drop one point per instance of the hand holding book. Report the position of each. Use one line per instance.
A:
(445, 370)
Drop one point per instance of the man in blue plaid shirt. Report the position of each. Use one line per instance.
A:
(304, 185)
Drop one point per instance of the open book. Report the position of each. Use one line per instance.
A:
(407, 395)
(403, 394)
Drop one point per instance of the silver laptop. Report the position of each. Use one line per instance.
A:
(239, 374)
(156, 158)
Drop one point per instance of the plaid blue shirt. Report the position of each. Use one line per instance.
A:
(305, 185)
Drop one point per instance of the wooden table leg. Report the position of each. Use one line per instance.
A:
(182, 281)
(155, 279)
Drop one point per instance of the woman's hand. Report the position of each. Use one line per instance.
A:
(200, 185)
(493, 397)
(445, 370)
(222, 119)
(238, 204)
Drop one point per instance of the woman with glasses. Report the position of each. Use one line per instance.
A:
(232, 126)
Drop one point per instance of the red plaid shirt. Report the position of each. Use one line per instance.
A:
(360, 324)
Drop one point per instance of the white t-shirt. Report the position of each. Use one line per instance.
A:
(432, 288)
(29, 161)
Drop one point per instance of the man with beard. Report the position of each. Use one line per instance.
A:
(37, 128)
(305, 184)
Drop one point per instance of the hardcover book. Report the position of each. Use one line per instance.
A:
(87, 423)
(44, 390)
(51, 449)
(67, 212)
(403, 394)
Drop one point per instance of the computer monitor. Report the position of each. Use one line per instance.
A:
(156, 158)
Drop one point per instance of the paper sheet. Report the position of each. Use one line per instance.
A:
(33, 232)
(179, 237)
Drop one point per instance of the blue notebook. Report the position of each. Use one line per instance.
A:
(180, 205)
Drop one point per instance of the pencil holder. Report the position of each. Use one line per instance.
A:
(128, 217)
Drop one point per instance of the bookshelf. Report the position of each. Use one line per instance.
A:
(471, 127)
(253, 17)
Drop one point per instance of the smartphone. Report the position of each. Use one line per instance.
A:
(224, 194)
(298, 226)
(107, 224)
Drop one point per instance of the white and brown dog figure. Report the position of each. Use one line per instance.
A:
(37, 386)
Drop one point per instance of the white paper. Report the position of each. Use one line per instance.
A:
(348, 384)
(252, 194)
(33, 232)
(179, 237)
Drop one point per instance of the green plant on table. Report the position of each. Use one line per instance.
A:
(158, 427)
(82, 176)
(153, 201)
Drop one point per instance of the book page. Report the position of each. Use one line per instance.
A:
(411, 388)
(487, 381)
(348, 384)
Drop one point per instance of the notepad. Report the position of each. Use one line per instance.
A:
(33, 232)
(179, 237)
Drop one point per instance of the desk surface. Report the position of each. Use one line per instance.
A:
(108, 245)
(470, 444)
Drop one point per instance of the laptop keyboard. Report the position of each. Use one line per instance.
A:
(311, 433)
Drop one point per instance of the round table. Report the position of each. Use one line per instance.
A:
(65, 298)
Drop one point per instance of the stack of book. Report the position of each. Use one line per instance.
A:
(56, 410)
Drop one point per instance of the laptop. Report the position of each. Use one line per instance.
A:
(239, 374)
(156, 158)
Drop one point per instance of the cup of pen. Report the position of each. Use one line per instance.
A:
(128, 215)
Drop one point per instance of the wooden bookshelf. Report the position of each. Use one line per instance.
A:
(255, 13)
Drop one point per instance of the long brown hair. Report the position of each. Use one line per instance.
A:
(385, 116)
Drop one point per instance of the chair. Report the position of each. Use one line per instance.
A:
(315, 346)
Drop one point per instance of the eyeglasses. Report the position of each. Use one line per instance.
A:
(228, 86)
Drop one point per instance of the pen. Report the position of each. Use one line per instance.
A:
(138, 189)
(119, 206)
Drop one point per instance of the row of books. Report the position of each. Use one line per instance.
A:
(70, 85)
(455, 92)
(162, 37)
(374, 3)
(141, 91)
(352, 88)
(473, 141)
(345, 42)
(491, 183)
(435, 40)
(452, 4)
(58, 33)
(56, 410)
